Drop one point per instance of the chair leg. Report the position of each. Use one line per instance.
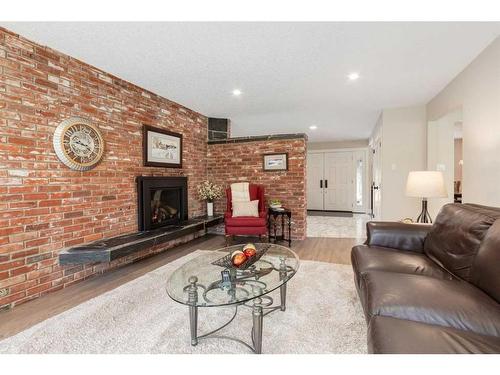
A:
(226, 240)
(229, 238)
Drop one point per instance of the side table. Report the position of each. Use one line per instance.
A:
(273, 217)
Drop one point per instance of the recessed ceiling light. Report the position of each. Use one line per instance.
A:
(236, 92)
(313, 127)
(353, 76)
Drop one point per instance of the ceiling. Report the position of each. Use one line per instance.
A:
(292, 75)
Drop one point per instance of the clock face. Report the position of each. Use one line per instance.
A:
(78, 144)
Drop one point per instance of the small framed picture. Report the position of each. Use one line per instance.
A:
(275, 162)
(161, 148)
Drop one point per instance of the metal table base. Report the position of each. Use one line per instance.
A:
(260, 306)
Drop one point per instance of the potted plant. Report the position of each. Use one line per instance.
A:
(275, 203)
(209, 191)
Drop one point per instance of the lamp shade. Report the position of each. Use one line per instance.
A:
(426, 184)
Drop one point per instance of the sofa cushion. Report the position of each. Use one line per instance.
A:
(456, 235)
(396, 235)
(485, 272)
(396, 336)
(365, 258)
(482, 207)
(450, 303)
(245, 221)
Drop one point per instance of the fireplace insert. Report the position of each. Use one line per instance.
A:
(162, 201)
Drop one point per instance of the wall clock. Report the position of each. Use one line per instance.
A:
(78, 143)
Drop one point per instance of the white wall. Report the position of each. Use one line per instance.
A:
(337, 144)
(477, 92)
(441, 156)
(404, 141)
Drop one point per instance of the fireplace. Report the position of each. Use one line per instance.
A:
(162, 201)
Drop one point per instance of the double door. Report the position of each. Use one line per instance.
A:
(330, 181)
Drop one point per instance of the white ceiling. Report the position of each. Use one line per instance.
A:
(292, 75)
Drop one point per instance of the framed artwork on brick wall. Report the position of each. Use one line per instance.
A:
(275, 162)
(161, 148)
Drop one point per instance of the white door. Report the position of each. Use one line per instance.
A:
(377, 180)
(338, 181)
(315, 181)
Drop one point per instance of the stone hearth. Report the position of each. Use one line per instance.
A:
(113, 248)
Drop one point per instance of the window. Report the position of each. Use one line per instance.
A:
(359, 182)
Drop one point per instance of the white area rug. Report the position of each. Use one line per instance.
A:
(337, 227)
(323, 316)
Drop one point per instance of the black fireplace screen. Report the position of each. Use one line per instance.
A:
(162, 201)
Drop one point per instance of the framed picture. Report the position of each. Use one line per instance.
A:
(161, 148)
(275, 162)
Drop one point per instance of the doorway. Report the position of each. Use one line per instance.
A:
(376, 188)
(444, 153)
(337, 180)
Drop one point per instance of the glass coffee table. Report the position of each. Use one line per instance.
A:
(206, 281)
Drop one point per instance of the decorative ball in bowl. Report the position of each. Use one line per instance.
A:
(238, 257)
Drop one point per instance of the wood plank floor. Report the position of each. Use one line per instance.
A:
(333, 250)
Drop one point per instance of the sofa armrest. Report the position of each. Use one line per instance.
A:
(228, 214)
(263, 214)
(402, 236)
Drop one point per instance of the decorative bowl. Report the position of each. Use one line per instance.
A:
(227, 263)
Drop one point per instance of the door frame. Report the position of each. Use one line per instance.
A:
(439, 161)
(367, 179)
(376, 166)
(309, 183)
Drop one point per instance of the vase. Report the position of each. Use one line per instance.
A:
(210, 208)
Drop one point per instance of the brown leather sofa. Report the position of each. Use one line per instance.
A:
(432, 288)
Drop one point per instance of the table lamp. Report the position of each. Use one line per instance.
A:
(425, 184)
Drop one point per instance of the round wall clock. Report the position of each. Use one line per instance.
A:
(78, 143)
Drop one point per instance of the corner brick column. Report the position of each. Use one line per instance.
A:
(241, 159)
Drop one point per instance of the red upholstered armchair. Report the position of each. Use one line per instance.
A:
(246, 225)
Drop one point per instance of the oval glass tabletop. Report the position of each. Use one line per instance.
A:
(201, 282)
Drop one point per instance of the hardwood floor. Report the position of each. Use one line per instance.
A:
(333, 250)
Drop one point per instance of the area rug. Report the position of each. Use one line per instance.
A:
(323, 315)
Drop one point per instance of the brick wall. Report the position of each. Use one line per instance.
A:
(242, 161)
(44, 206)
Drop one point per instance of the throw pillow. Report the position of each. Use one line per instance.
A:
(246, 208)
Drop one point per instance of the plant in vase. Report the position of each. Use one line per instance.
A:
(275, 203)
(209, 191)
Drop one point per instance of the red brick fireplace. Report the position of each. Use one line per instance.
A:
(46, 207)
